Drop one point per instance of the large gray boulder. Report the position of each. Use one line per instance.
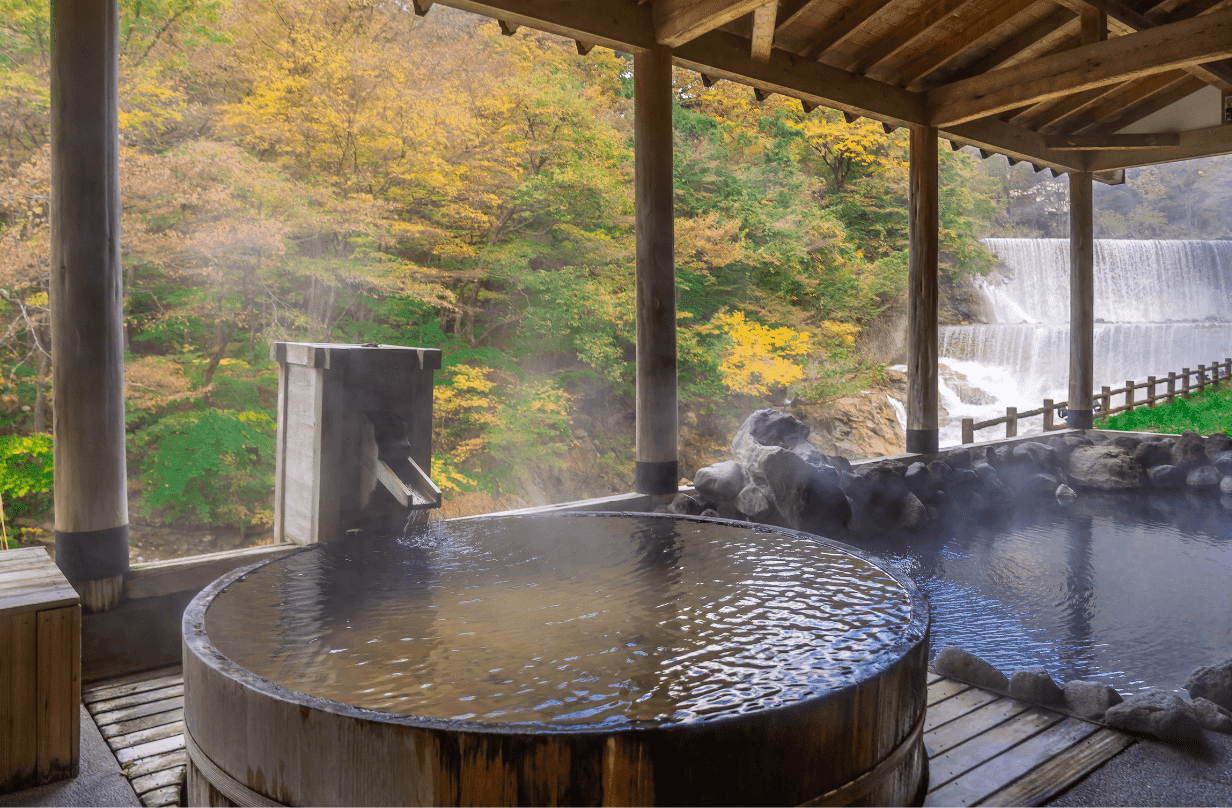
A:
(1110, 468)
(721, 482)
(959, 664)
(1036, 686)
(1212, 682)
(768, 427)
(1090, 700)
(1211, 716)
(1161, 715)
(807, 497)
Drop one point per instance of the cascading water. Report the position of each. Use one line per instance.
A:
(1159, 306)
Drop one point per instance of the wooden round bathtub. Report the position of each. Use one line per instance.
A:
(781, 681)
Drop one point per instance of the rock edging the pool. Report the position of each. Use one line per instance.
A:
(778, 477)
(1153, 713)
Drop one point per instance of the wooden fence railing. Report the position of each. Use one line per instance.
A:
(1177, 384)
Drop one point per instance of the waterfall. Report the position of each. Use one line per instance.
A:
(1159, 306)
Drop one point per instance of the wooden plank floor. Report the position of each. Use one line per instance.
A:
(142, 719)
(983, 748)
(988, 749)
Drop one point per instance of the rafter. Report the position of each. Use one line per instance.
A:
(953, 46)
(843, 25)
(764, 18)
(1014, 142)
(1111, 102)
(1040, 35)
(623, 25)
(1142, 106)
(1180, 44)
(1198, 143)
(903, 34)
(679, 21)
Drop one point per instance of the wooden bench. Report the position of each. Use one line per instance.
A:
(40, 671)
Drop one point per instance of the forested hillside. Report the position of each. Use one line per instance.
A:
(347, 171)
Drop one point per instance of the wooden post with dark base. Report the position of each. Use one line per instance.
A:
(922, 294)
(86, 302)
(657, 468)
(1081, 301)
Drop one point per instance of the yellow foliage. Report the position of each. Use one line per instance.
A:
(760, 357)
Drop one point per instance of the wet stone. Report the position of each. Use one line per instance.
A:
(1090, 700)
(1065, 494)
(1213, 682)
(721, 482)
(959, 664)
(1203, 477)
(1223, 462)
(1166, 477)
(1157, 714)
(1036, 686)
(1211, 716)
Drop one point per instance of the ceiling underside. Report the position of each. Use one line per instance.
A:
(1051, 82)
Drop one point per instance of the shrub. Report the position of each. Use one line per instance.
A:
(27, 480)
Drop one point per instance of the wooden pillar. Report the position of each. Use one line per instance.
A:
(922, 294)
(1081, 300)
(86, 302)
(657, 468)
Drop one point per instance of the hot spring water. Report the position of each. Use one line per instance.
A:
(1159, 306)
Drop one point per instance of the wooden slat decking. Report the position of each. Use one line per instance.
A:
(142, 719)
(988, 749)
(983, 748)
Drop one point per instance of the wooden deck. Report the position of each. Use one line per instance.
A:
(142, 718)
(988, 749)
(983, 748)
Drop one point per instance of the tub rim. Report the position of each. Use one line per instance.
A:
(196, 641)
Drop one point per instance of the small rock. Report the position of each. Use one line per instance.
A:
(1162, 715)
(686, 505)
(1065, 494)
(959, 459)
(839, 462)
(1090, 700)
(1225, 485)
(958, 664)
(710, 513)
(1212, 682)
(918, 480)
(1211, 716)
(1127, 442)
(1105, 467)
(1203, 477)
(1223, 462)
(913, 512)
(1167, 477)
(722, 482)
(1036, 686)
(1044, 456)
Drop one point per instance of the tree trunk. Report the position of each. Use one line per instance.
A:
(40, 395)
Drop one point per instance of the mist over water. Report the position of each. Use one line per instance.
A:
(1164, 305)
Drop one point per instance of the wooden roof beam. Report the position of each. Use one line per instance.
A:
(1181, 44)
(679, 21)
(1015, 143)
(1155, 140)
(1135, 21)
(764, 18)
(622, 25)
(726, 56)
(1198, 143)
(1040, 34)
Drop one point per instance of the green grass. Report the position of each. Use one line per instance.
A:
(1204, 414)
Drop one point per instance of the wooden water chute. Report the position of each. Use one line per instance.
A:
(354, 443)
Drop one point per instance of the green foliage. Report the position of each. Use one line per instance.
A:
(1205, 414)
(26, 474)
(212, 466)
